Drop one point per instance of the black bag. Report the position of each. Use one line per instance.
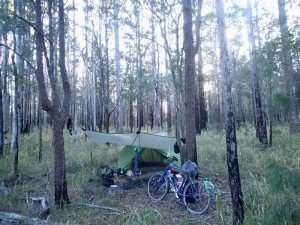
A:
(105, 171)
(106, 182)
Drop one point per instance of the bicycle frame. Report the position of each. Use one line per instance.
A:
(192, 193)
(172, 176)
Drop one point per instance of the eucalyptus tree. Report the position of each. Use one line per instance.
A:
(287, 63)
(157, 114)
(118, 69)
(73, 63)
(231, 142)
(170, 32)
(201, 111)
(57, 107)
(18, 69)
(108, 106)
(259, 113)
(167, 75)
(190, 49)
(5, 28)
(87, 65)
(139, 63)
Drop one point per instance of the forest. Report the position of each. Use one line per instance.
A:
(224, 75)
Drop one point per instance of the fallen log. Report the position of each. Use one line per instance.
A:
(11, 218)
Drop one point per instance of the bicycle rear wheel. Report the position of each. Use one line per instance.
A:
(196, 197)
(158, 187)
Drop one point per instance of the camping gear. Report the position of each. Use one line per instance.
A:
(153, 148)
(148, 157)
(189, 168)
(106, 173)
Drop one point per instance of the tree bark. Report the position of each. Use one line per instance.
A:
(157, 113)
(190, 151)
(118, 72)
(57, 112)
(260, 120)
(231, 143)
(288, 69)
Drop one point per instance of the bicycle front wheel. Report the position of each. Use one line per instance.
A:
(196, 197)
(158, 187)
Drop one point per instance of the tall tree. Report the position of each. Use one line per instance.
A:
(18, 64)
(289, 72)
(157, 114)
(231, 143)
(140, 118)
(259, 114)
(168, 82)
(201, 117)
(117, 68)
(190, 151)
(1, 115)
(58, 112)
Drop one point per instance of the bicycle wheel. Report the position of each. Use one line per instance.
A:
(158, 187)
(196, 197)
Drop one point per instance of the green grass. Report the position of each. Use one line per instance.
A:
(270, 181)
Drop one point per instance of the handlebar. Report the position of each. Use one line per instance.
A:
(173, 158)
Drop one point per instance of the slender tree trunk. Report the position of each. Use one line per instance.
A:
(1, 109)
(260, 120)
(288, 69)
(118, 72)
(157, 117)
(231, 143)
(15, 126)
(6, 96)
(140, 116)
(1, 117)
(40, 126)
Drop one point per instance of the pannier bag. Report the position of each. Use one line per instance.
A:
(189, 168)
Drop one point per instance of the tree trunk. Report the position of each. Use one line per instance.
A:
(231, 143)
(1, 118)
(15, 125)
(190, 151)
(201, 98)
(260, 120)
(56, 111)
(60, 180)
(168, 82)
(288, 68)
(140, 116)
(157, 117)
(40, 126)
(118, 72)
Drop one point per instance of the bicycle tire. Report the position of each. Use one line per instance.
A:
(157, 187)
(196, 197)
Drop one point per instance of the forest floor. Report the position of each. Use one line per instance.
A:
(93, 203)
(270, 183)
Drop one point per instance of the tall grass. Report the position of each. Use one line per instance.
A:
(270, 178)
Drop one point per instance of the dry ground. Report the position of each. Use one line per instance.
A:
(91, 203)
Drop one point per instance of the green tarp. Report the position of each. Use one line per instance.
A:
(153, 147)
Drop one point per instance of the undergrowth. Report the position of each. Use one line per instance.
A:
(270, 182)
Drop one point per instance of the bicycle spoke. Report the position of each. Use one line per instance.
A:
(196, 197)
(157, 187)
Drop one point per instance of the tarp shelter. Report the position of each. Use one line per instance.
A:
(152, 147)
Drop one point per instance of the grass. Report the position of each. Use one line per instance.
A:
(270, 182)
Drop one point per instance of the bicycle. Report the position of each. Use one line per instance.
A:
(193, 193)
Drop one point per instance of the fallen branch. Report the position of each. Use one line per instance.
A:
(14, 218)
(99, 207)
